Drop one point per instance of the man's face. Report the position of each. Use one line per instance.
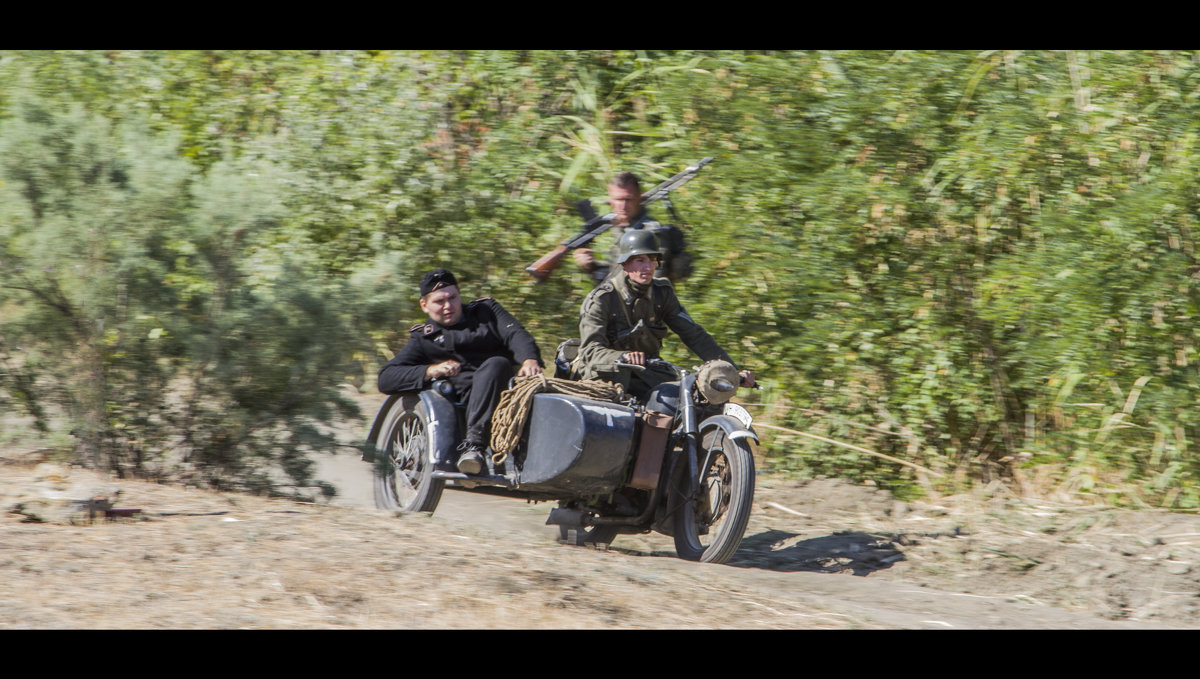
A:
(444, 306)
(626, 203)
(640, 268)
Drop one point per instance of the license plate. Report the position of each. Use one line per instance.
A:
(739, 413)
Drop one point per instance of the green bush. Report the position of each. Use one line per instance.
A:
(979, 263)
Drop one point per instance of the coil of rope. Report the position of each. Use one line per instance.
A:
(515, 404)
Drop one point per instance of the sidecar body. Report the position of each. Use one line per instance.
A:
(571, 447)
(576, 445)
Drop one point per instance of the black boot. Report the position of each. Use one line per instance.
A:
(470, 457)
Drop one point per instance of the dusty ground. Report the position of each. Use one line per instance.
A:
(817, 555)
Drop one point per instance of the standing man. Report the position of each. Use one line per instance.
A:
(477, 347)
(625, 198)
(625, 319)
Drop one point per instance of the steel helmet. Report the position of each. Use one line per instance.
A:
(637, 242)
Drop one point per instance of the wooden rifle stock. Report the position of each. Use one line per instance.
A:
(594, 227)
(541, 269)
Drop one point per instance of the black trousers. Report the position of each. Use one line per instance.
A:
(480, 389)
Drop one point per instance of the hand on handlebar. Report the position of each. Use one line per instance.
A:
(747, 378)
(633, 358)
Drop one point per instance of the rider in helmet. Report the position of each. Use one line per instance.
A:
(637, 243)
(625, 319)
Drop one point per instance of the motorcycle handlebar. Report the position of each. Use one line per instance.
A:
(721, 385)
(649, 362)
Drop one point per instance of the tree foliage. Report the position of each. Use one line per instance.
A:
(981, 263)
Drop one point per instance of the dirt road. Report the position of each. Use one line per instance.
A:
(817, 555)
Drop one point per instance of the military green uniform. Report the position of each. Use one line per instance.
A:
(609, 326)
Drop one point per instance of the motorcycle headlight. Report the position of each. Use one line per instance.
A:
(717, 381)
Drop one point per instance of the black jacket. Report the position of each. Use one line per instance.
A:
(486, 330)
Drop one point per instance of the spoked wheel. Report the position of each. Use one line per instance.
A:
(597, 535)
(710, 527)
(404, 479)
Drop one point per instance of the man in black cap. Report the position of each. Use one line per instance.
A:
(477, 348)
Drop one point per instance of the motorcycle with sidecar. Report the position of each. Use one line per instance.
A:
(677, 462)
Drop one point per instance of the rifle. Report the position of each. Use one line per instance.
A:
(594, 224)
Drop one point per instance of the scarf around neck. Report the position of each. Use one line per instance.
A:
(638, 289)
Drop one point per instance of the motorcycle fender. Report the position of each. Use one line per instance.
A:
(407, 399)
(732, 428)
(443, 426)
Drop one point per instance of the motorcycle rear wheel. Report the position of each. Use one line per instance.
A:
(404, 479)
(710, 528)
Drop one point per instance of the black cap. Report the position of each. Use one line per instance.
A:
(436, 280)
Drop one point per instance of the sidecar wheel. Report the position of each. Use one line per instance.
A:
(580, 537)
(404, 477)
(710, 528)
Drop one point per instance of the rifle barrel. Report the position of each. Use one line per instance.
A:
(675, 182)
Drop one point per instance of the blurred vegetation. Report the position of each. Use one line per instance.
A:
(947, 267)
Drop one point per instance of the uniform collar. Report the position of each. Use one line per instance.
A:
(627, 288)
(432, 327)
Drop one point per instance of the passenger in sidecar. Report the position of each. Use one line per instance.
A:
(474, 348)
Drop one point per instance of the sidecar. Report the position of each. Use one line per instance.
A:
(571, 447)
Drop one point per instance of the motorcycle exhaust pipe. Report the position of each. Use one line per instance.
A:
(574, 518)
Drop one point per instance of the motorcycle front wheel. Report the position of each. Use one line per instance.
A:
(710, 526)
(404, 478)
